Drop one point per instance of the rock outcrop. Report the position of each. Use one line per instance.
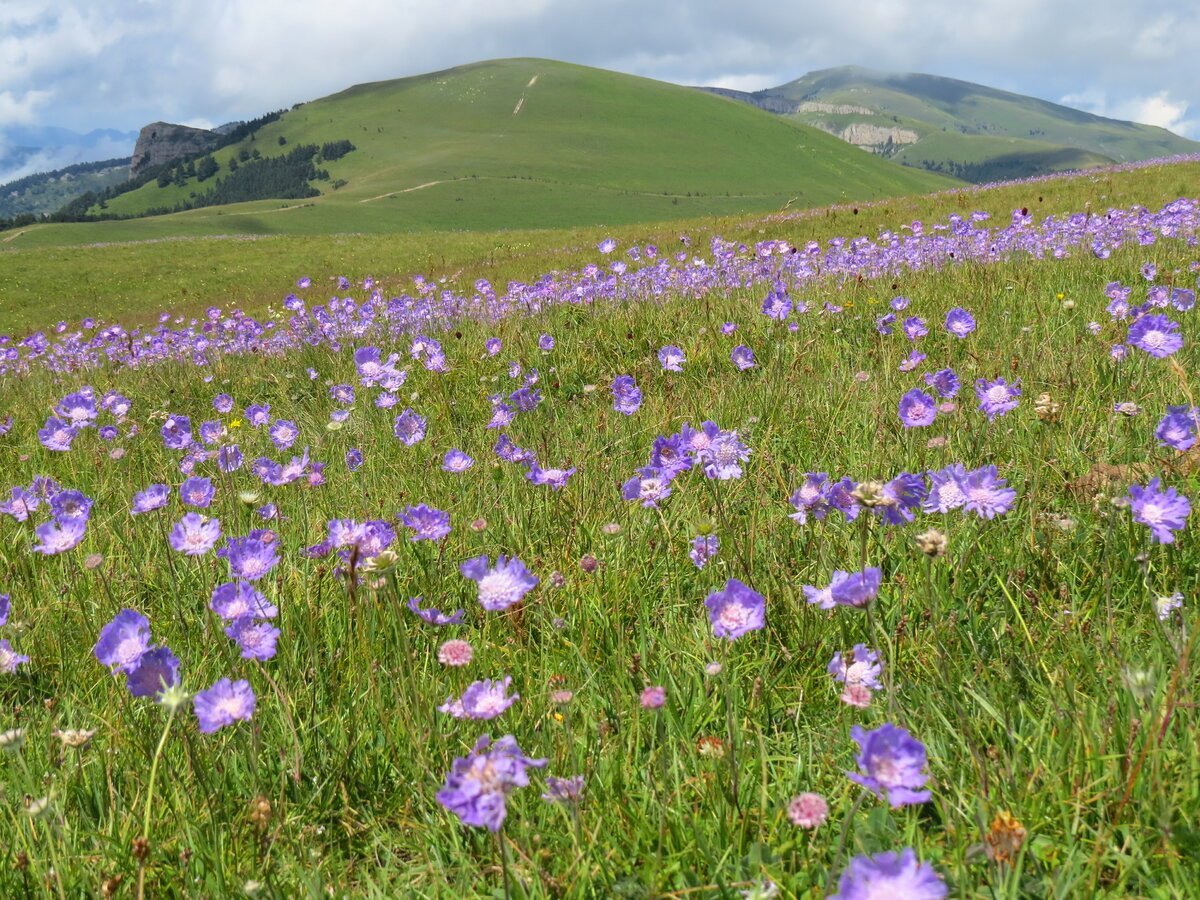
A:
(162, 142)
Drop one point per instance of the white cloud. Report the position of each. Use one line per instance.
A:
(21, 110)
(1159, 109)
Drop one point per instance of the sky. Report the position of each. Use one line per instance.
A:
(121, 64)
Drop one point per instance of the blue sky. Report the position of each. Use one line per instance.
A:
(85, 64)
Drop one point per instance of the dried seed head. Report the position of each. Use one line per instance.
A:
(260, 812)
(932, 543)
(1005, 838)
(869, 494)
(13, 740)
(76, 738)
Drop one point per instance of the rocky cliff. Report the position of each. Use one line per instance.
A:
(162, 142)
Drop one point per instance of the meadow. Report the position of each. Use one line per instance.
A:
(789, 564)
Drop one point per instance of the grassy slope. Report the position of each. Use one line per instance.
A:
(134, 280)
(587, 146)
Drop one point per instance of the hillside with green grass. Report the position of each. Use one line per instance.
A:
(517, 144)
(973, 132)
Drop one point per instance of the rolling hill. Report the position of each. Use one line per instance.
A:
(973, 132)
(511, 144)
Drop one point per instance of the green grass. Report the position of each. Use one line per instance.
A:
(1008, 658)
(163, 264)
(586, 147)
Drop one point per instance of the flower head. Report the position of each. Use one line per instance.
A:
(807, 810)
(427, 523)
(478, 784)
(225, 703)
(501, 585)
(123, 641)
(736, 610)
(482, 700)
(1156, 335)
(898, 875)
(1163, 511)
(917, 409)
(891, 762)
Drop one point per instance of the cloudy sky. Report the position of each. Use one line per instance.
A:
(120, 64)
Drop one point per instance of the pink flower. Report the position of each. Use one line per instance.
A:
(455, 653)
(807, 810)
(654, 697)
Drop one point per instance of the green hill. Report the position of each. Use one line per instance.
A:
(973, 132)
(518, 143)
(45, 192)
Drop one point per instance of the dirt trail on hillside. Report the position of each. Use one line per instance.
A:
(521, 102)
(408, 190)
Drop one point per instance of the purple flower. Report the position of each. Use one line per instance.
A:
(959, 322)
(777, 305)
(510, 452)
(1162, 511)
(913, 360)
(898, 875)
(846, 589)
(256, 640)
(238, 600)
(555, 478)
(492, 346)
(704, 548)
(944, 381)
(651, 486)
(736, 610)
(283, 434)
(253, 556)
(946, 491)
(884, 324)
(354, 459)
(670, 456)
(1156, 334)
(627, 396)
(197, 492)
(902, 497)
(917, 409)
(409, 427)
(229, 458)
(1177, 428)
(545, 343)
(108, 432)
(563, 790)
(915, 327)
(606, 246)
(57, 434)
(5, 609)
(223, 704)
(890, 761)
(986, 494)
(10, 658)
(723, 455)
(482, 700)
(20, 504)
(671, 358)
(258, 415)
(59, 537)
(478, 784)
(123, 641)
(729, 328)
(1149, 271)
(742, 357)
(997, 397)
(155, 671)
(501, 585)
(342, 393)
(427, 523)
(79, 409)
(859, 666)
(222, 403)
(194, 534)
(70, 505)
(456, 461)
(811, 498)
(177, 433)
(435, 616)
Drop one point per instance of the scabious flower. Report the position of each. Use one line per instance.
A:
(545, 343)
(156, 671)
(986, 494)
(1177, 428)
(913, 360)
(456, 461)
(427, 523)
(856, 589)
(1156, 335)
(409, 427)
(704, 548)
(253, 556)
(671, 358)
(256, 640)
(890, 761)
(354, 459)
(177, 433)
(807, 810)
(944, 381)
(736, 610)
(721, 453)
(1163, 511)
(482, 700)
(153, 497)
(1163, 606)
(197, 492)
(59, 537)
(946, 490)
(283, 434)
(917, 409)
(225, 703)
(478, 784)
(57, 434)
(563, 790)
(650, 485)
(456, 653)
(898, 875)
(959, 322)
(194, 535)
(435, 616)
(501, 585)
(230, 458)
(10, 658)
(997, 397)
(222, 403)
(627, 396)
(70, 505)
(555, 478)
(123, 641)
(492, 346)
(742, 357)
(235, 600)
(811, 498)
(915, 327)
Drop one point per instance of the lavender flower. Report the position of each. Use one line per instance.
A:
(742, 357)
(555, 478)
(197, 492)
(811, 498)
(736, 610)
(225, 703)
(1163, 511)
(986, 494)
(482, 700)
(478, 784)
(59, 537)
(915, 327)
(898, 875)
(238, 600)
(704, 548)
(194, 535)
(123, 641)
(435, 616)
(156, 671)
(10, 658)
(57, 434)
(651, 486)
(256, 640)
(890, 761)
(860, 666)
(283, 434)
(409, 427)
(671, 358)
(177, 433)
(427, 523)
(917, 409)
(959, 322)
(456, 462)
(1156, 335)
(253, 556)
(70, 505)
(944, 381)
(501, 585)
(563, 790)
(153, 497)
(997, 397)
(1177, 428)
(627, 396)
(354, 459)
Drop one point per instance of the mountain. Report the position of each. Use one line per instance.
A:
(973, 132)
(44, 192)
(509, 143)
(27, 150)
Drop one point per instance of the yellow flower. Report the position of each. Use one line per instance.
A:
(236, 423)
(1059, 295)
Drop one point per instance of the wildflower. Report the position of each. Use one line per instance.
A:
(891, 761)
(253, 556)
(555, 478)
(10, 658)
(736, 610)
(194, 534)
(427, 523)
(478, 784)
(123, 641)
(1156, 335)
(650, 485)
(627, 396)
(860, 666)
(563, 790)
(75, 738)
(986, 494)
(354, 459)
(545, 343)
(1164, 606)
(256, 640)
(57, 435)
(157, 671)
(807, 810)
(1127, 409)
(997, 397)
(283, 434)
(671, 358)
(409, 427)
(932, 543)
(742, 357)
(225, 703)
(55, 537)
(653, 697)
(890, 875)
(723, 456)
(501, 585)
(917, 409)
(1177, 429)
(944, 381)
(237, 600)
(492, 346)
(704, 548)
(70, 506)
(177, 433)
(959, 322)
(153, 497)
(5, 608)
(915, 327)
(485, 699)
(455, 653)
(434, 616)
(456, 462)
(1163, 511)
(811, 498)
(913, 360)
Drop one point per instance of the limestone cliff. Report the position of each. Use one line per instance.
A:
(162, 142)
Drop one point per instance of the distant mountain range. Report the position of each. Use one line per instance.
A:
(966, 130)
(27, 150)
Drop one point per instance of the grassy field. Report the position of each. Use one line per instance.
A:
(1057, 710)
(141, 273)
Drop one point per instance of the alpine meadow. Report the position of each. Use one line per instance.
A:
(532, 481)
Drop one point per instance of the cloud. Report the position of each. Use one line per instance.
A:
(21, 110)
(1159, 109)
